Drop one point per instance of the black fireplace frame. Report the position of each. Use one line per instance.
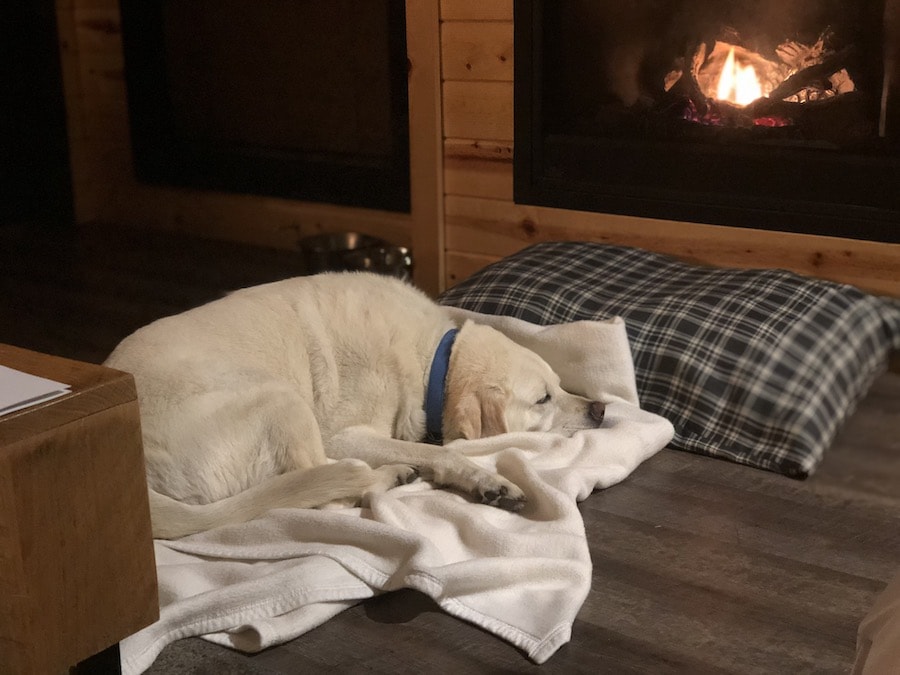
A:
(582, 185)
(163, 155)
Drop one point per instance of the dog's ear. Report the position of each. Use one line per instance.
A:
(493, 419)
(479, 414)
(465, 418)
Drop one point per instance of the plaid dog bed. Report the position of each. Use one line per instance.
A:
(756, 366)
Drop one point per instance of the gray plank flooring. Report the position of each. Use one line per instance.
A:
(700, 565)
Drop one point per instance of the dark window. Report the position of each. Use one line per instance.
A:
(299, 99)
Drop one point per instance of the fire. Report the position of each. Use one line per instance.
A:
(738, 84)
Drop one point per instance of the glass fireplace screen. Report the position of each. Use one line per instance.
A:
(763, 113)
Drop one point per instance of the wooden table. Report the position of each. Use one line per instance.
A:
(77, 571)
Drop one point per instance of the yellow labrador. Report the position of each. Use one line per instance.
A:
(323, 389)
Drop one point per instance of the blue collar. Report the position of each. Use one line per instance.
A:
(434, 395)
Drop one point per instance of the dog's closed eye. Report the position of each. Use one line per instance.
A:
(544, 399)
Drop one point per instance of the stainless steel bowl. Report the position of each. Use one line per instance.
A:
(344, 251)
(395, 261)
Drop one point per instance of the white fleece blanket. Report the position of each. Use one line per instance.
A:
(523, 576)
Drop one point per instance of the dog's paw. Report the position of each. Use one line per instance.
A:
(395, 475)
(503, 495)
(405, 474)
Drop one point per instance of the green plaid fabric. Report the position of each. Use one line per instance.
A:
(759, 367)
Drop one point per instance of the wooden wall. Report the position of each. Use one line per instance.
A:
(105, 189)
(461, 117)
(483, 224)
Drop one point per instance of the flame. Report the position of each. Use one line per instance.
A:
(738, 84)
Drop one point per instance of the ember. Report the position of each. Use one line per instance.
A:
(718, 114)
(772, 122)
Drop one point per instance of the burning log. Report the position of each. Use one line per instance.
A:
(802, 75)
(812, 74)
(834, 120)
(808, 77)
(681, 82)
(798, 56)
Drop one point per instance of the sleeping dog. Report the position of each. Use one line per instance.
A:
(321, 390)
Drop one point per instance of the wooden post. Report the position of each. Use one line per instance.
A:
(426, 143)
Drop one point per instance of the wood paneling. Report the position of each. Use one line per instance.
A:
(477, 10)
(483, 224)
(497, 228)
(463, 265)
(478, 168)
(426, 168)
(105, 189)
(477, 51)
(468, 119)
(478, 110)
(280, 223)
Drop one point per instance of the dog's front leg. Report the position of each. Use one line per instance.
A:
(443, 466)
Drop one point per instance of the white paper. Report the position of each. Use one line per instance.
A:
(19, 390)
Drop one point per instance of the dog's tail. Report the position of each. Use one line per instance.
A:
(348, 479)
(172, 519)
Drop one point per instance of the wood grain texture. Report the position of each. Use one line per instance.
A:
(18, 608)
(460, 266)
(483, 223)
(106, 190)
(75, 525)
(477, 51)
(498, 228)
(471, 117)
(93, 390)
(478, 168)
(482, 110)
(700, 565)
(423, 46)
(477, 10)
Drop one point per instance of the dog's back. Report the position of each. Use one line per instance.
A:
(342, 339)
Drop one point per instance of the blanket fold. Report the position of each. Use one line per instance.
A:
(521, 576)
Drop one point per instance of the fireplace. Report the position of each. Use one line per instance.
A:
(304, 100)
(772, 114)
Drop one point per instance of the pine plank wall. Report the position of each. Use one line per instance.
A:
(106, 190)
(482, 223)
(461, 137)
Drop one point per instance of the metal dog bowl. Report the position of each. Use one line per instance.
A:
(395, 261)
(348, 251)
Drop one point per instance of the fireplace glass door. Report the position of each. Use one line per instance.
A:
(776, 114)
(298, 99)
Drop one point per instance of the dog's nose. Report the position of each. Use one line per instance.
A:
(597, 410)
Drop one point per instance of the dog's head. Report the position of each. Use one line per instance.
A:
(495, 385)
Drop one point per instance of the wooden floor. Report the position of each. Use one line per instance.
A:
(700, 566)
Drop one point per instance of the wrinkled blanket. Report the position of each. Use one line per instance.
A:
(522, 576)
